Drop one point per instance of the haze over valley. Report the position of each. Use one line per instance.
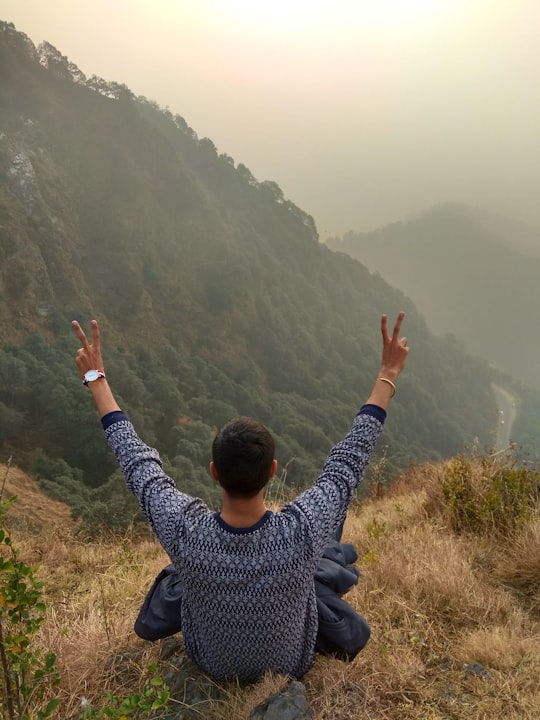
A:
(364, 113)
(470, 273)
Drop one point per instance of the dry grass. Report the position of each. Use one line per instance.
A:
(518, 565)
(454, 617)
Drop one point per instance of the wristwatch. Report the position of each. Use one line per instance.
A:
(91, 375)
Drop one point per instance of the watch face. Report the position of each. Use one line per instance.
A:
(91, 375)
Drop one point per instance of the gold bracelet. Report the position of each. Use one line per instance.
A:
(386, 380)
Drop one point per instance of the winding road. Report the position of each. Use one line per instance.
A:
(507, 405)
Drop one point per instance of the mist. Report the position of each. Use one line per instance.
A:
(363, 113)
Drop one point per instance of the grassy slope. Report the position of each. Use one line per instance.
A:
(436, 601)
(33, 508)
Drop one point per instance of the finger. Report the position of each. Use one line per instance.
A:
(384, 328)
(96, 343)
(80, 334)
(80, 363)
(397, 326)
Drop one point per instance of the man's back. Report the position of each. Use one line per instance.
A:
(248, 599)
(248, 602)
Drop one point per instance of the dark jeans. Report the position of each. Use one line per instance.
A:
(342, 631)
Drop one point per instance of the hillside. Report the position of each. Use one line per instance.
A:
(33, 511)
(470, 274)
(451, 591)
(213, 293)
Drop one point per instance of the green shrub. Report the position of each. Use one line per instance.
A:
(483, 496)
(28, 674)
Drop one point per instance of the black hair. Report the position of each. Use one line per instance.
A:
(243, 451)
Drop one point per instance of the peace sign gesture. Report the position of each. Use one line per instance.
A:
(395, 349)
(89, 355)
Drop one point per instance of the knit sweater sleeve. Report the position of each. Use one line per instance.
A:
(163, 504)
(325, 505)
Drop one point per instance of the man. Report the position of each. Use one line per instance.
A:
(246, 574)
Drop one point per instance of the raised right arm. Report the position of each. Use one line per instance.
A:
(160, 500)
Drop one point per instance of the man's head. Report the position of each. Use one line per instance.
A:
(243, 457)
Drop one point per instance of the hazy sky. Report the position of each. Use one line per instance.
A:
(363, 111)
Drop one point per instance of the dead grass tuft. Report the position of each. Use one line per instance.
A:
(519, 562)
(500, 647)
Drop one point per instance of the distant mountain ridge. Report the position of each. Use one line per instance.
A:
(468, 273)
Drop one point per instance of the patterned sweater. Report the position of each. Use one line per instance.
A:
(248, 601)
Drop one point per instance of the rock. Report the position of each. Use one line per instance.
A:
(288, 705)
(476, 669)
(191, 690)
(169, 647)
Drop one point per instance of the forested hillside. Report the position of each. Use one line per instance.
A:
(213, 292)
(474, 275)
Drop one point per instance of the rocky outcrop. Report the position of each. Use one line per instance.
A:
(288, 705)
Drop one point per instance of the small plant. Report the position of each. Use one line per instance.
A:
(277, 490)
(459, 496)
(378, 481)
(376, 528)
(153, 696)
(28, 676)
(483, 497)
(369, 559)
